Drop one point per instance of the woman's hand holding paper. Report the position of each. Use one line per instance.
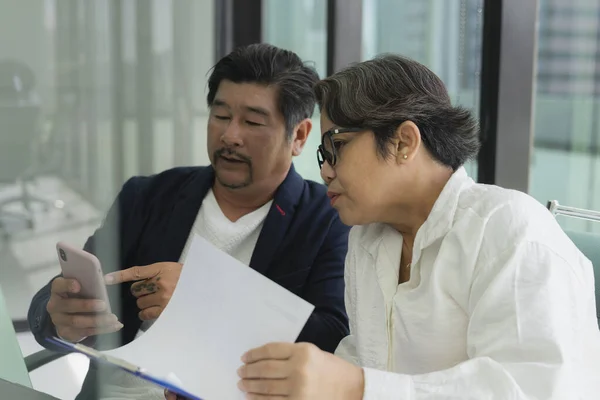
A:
(298, 371)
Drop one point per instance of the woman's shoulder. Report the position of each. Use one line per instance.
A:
(490, 201)
(510, 218)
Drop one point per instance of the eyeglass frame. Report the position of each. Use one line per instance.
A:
(323, 154)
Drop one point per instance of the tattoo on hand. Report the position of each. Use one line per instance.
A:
(149, 287)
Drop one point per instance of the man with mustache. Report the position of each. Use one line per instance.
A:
(250, 203)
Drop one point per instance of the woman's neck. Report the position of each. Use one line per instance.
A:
(409, 217)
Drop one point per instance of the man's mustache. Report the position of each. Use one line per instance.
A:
(232, 154)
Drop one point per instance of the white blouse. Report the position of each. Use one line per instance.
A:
(500, 303)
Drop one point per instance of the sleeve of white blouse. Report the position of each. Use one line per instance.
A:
(530, 317)
(347, 347)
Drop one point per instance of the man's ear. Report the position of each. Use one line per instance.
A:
(301, 136)
(408, 141)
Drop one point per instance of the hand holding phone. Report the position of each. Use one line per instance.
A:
(77, 318)
(78, 304)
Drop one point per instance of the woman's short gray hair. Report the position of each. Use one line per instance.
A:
(382, 93)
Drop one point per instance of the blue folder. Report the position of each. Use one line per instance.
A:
(95, 355)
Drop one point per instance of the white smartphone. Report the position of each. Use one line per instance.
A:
(86, 269)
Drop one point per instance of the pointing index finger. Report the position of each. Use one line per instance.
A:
(132, 274)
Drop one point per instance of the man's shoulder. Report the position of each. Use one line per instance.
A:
(314, 200)
(314, 208)
(316, 191)
(164, 181)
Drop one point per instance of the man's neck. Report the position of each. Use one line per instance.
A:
(235, 203)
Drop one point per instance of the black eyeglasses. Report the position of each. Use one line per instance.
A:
(326, 150)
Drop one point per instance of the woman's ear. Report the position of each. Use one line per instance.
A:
(408, 141)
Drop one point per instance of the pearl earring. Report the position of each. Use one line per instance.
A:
(405, 156)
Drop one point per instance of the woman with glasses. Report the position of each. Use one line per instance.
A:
(454, 290)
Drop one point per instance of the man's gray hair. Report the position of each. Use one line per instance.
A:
(382, 93)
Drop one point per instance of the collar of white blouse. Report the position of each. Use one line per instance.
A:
(439, 222)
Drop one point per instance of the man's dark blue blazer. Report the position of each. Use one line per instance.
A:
(302, 247)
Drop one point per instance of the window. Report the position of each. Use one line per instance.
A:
(301, 26)
(565, 164)
(72, 74)
(444, 35)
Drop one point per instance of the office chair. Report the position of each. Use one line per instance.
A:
(588, 243)
(20, 122)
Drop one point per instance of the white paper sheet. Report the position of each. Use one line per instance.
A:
(220, 309)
